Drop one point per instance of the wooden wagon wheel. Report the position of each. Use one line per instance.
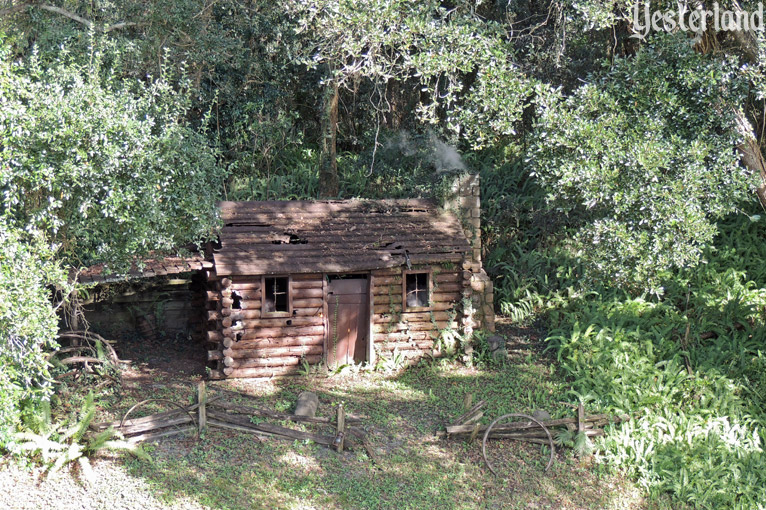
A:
(182, 408)
(516, 415)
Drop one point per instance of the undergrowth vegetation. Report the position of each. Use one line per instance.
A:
(688, 362)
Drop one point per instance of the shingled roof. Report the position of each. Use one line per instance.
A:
(283, 237)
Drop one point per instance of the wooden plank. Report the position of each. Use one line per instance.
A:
(201, 410)
(340, 428)
(159, 435)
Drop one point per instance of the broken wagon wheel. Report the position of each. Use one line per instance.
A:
(516, 415)
(182, 408)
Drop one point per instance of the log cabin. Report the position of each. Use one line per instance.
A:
(338, 282)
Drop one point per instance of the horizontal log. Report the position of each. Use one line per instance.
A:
(407, 353)
(307, 284)
(307, 293)
(405, 346)
(398, 336)
(448, 287)
(265, 372)
(282, 361)
(385, 281)
(276, 332)
(244, 286)
(214, 355)
(308, 312)
(448, 277)
(247, 304)
(413, 326)
(257, 343)
(441, 280)
(214, 336)
(397, 307)
(238, 314)
(308, 303)
(271, 352)
(277, 322)
(385, 299)
(246, 294)
(411, 316)
(253, 335)
(213, 295)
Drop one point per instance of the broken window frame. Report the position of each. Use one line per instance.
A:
(289, 311)
(429, 289)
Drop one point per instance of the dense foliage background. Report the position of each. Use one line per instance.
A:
(621, 179)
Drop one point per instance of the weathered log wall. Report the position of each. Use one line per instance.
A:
(245, 343)
(415, 333)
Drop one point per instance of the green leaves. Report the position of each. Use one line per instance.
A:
(108, 170)
(644, 157)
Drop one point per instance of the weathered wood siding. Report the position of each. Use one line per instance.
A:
(413, 334)
(247, 344)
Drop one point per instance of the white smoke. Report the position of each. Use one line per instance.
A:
(442, 156)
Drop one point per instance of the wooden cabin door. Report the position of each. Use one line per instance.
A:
(348, 319)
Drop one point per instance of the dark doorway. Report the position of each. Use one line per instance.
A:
(348, 316)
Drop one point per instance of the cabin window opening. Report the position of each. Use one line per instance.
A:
(417, 289)
(236, 303)
(276, 296)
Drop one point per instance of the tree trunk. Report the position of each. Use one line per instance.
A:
(750, 147)
(752, 157)
(328, 163)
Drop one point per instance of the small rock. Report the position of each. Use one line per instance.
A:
(541, 415)
(496, 342)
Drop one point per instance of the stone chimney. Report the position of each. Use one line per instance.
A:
(464, 199)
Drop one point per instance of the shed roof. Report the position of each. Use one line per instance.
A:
(284, 237)
(160, 266)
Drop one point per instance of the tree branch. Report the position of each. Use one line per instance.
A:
(67, 14)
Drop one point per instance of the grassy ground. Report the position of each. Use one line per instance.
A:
(402, 413)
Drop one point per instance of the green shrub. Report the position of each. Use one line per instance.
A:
(28, 323)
